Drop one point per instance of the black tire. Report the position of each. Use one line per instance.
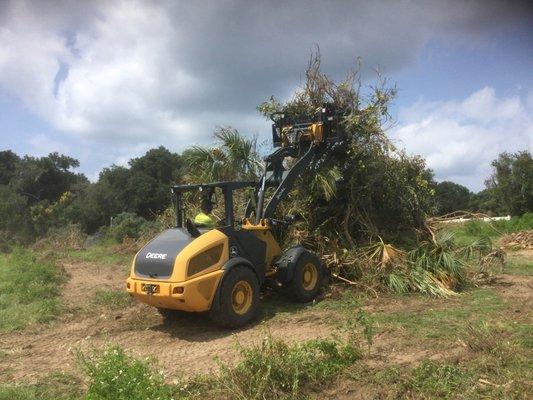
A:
(300, 288)
(229, 312)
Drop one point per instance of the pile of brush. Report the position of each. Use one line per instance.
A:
(365, 203)
(438, 266)
(518, 240)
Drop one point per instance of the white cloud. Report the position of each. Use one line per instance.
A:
(143, 70)
(119, 77)
(42, 145)
(460, 138)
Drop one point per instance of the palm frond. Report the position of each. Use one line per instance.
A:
(325, 182)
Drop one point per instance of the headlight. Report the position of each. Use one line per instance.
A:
(204, 260)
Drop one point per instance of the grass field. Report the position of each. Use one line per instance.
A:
(477, 344)
(466, 233)
(29, 290)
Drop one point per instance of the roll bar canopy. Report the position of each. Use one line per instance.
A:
(227, 190)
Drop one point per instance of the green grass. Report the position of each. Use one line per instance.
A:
(29, 290)
(437, 380)
(468, 232)
(487, 376)
(499, 366)
(444, 319)
(56, 386)
(104, 253)
(517, 265)
(112, 299)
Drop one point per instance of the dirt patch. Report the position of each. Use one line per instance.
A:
(85, 279)
(514, 286)
(190, 346)
(186, 347)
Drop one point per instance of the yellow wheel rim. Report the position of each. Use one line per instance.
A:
(241, 297)
(309, 276)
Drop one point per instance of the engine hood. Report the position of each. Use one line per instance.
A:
(156, 259)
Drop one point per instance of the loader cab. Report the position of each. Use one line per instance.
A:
(206, 194)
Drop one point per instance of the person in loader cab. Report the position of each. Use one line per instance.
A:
(204, 218)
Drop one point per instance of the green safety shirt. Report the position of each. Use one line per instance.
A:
(204, 220)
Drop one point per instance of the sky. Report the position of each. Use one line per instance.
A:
(104, 81)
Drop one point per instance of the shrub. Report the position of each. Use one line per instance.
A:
(275, 369)
(130, 225)
(118, 376)
(68, 237)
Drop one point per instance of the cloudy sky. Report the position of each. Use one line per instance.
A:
(104, 81)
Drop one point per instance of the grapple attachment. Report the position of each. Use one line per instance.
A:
(291, 130)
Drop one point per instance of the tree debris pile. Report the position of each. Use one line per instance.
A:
(362, 187)
(365, 203)
(518, 240)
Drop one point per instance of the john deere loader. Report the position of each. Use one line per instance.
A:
(220, 269)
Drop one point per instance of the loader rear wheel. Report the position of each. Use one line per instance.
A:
(307, 278)
(238, 300)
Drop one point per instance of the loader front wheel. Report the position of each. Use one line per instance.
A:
(238, 300)
(307, 278)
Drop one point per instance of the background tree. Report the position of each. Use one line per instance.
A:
(8, 164)
(150, 178)
(512, 182)
(45, 178)
(451, 197)
(15, 220)
(486, 202)
(234, 157)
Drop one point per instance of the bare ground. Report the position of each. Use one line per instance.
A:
(192, 345)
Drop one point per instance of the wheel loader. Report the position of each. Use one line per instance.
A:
(221, 269)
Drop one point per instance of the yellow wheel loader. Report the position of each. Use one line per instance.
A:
(220, 269)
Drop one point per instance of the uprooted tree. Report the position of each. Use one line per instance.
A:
(362, 187)
(365, 203)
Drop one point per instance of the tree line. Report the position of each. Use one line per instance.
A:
(358, 189)
(38, 193)
(508, 190)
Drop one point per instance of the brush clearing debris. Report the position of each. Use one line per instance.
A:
(518, 240)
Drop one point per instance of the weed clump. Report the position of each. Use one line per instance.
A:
(275, 369)
(272, 370)
(116, 375)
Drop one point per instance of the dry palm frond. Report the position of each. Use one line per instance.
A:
(383, 254)
(425, 282)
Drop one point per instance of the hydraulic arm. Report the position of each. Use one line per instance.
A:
(301, 137)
